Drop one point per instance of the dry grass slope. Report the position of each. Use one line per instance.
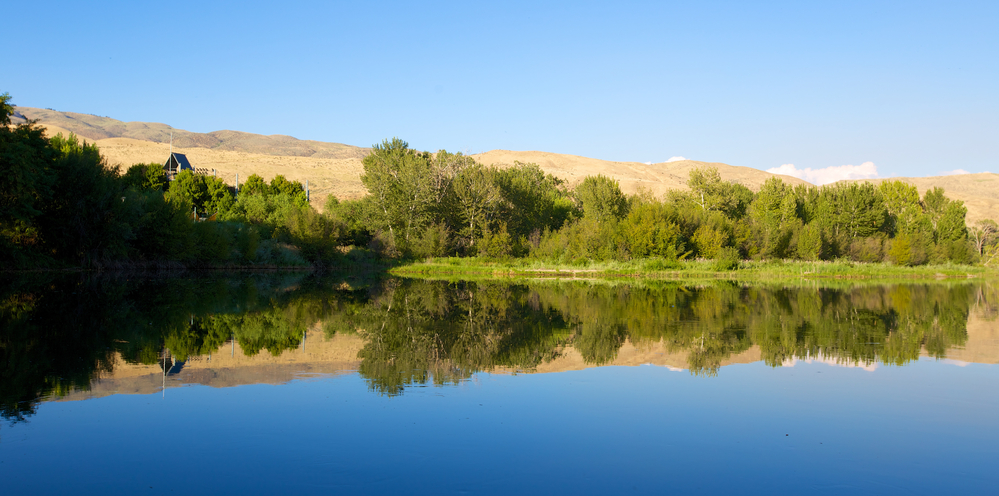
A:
(633, 176)
(333, 168)
(95, 128)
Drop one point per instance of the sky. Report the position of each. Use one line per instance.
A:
(822, 90)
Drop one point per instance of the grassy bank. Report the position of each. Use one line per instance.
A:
(696, 269)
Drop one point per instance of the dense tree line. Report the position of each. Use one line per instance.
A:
(61, 203)
(424, 204)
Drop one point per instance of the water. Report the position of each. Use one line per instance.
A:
(298, 384)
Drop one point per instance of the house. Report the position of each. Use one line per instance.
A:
(176, 163)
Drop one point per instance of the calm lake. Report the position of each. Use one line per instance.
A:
(302, 384)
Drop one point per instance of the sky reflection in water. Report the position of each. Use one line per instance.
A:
(822, 407)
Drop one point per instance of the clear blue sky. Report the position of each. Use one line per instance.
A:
(911, 86)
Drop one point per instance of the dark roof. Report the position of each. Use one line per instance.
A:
(182, 162)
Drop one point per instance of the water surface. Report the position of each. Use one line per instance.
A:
(304, 384)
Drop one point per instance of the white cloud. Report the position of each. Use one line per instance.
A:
(675, 159)
(831, 174)
(954, 172)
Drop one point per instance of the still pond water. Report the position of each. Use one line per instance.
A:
(317, 385)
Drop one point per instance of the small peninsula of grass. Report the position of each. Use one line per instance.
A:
(455, 267)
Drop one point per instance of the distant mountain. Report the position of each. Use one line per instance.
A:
(95, 128)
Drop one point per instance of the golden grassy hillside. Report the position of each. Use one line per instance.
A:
(95, 128)
(337, 176)
(334, 168)
(633, 176)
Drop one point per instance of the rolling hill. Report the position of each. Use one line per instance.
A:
(334, 168)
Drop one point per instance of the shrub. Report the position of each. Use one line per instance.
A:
(727, 259)
(383, 245)
(495, 243)
(867, 250)
(434, 241)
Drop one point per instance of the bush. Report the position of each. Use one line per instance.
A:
(867, 250)
(383, 245)
(434, 241)
(495, 243)
(907, 250)
(810, 245)
(727, 259)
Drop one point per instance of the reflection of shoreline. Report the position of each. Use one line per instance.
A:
(229, 367)
(835, 362)
(320, 357)
(983, 342)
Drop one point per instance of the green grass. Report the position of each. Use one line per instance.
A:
(696, 269)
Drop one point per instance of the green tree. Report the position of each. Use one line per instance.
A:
(255, 185)
(397, 179)
(773, 214)
(601, 198)
(219, 197)
(84, 221)
(650, 230)
(149, 177)
(188, 187)
(294, 189)
(905, 212)
(26, 181)
(538, 201)
(711, 193)
(480, 200)
(950, 224)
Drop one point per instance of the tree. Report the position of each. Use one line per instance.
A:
(294, 189)
(396, 177)
(479, 200)
(26, 181)
(852, 210)
(905, 212)
(220, 197)
(601, 198)
(935, 203)
(950, 225)
(538, 201)
(651, 231)
(774, 215)
(146, 177)
(984, 235)
(254, 185)
(84, 221)
(6, 109)
(188, 187)
(711, 193)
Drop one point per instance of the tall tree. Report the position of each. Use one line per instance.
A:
(479, 199)
(601, 198)
(26, 181)
(538, 200)
(396, 177)
(711, 193)
(905, 212)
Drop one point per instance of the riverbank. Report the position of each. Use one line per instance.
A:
(695, 269)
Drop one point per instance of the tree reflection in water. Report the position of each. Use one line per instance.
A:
(59, 334)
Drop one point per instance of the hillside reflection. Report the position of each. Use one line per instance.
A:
(64, 334)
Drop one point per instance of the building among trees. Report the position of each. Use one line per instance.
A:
(176, 163)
